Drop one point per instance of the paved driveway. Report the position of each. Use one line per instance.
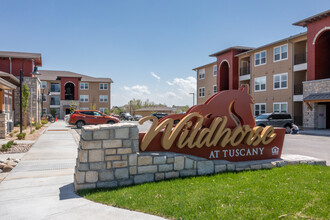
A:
(308, 145)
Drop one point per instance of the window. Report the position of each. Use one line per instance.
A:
(201, 91)
(6, 104)
(280, 107)
(10, 103)
(260, 58)
(103, 109)
(214, 89)
(43, 84)
(259, 108)
(84, 86)
(103, 86)
(44, 97)
(214, 70)
(260, 84)
(281, 81)
(44, 111)
(201, 74)
(97, 114)
(84, 108)
(281, 53)
(103, 98)
(55, 100)
(54, 87)
(84, 98)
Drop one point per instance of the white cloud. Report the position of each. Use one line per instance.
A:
(155, 75)
(137, 90)
(169, 83)
(185, 86)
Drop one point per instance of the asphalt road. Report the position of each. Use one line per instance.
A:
(308, 145)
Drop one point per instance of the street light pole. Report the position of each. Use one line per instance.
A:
(192, 93)
(21, 80)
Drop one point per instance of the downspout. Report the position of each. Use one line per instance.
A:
(10, 66)
(292, 79)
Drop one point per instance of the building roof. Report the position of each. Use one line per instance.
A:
(10, 78)
(57, 74)
(230, 48)
(313, 18)
(204, 65)
(273, 43)
(35, 56)
(317, 97)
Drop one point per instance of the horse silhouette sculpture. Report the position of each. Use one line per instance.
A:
(236, 105)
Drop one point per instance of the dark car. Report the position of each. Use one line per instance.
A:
(90, 117)
(126, 116)
(159, 115)
(137, 117)
(283, 120)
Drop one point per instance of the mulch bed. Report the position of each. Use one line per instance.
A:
(19, 148)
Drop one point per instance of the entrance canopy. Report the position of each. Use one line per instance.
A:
(320, 97)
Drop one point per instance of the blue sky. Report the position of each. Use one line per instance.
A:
(148, 47)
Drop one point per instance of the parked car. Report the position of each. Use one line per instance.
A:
(137, 117)
(89, 117)
(283, 120)
(117, 116)
(126, 116)
(159, 115)
(67, 117)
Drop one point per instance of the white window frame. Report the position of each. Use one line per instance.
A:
(43, 83)
(260, 90)
(83, 108)
(214, 89)
(199, 92)
(104, 109)
(102, 99)
(280, 75)
(259, 104)
(83, 97)
(215, 72)
(103, 86)
(280, 106)
(280, 47)
(201, 74)
(260, 64)
(84, 87)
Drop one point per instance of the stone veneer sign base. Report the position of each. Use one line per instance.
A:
(108, 156)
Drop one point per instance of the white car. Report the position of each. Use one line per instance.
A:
(66, 118)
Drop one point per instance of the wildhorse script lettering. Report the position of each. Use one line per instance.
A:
(223, 128)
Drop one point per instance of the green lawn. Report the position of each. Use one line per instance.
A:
(301, 191)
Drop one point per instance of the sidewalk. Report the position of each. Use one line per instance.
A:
(41, 185)
(316, 132)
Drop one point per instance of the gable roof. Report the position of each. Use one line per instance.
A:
(57, 74)
(230, 48)
(313, 18)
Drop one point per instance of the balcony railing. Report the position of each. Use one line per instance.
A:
(244, 71)
(298, 89)
(300, 58)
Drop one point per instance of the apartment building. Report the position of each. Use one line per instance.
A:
(290, 75)
(206, 81)
(64, 90)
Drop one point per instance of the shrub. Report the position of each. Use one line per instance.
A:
(11, 134)
(21, 136)
(15, 131)
(31, 132)
(44, 121)
(38, 126)
(7, 146)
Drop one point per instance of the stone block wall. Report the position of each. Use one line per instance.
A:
(3, 125)
(108, 156)
(310, 119)
(34, 83)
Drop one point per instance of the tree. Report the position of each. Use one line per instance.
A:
(73, 106)
(25, 102)
(107, 112)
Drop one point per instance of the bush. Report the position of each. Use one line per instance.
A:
(38, 126)
(11, 134)
(21, 136)
(15, 131)
(7, 146)
(44, 121)
(31, 132)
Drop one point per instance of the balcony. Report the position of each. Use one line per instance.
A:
(300, 58)
(298, 93)
(244, 73)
